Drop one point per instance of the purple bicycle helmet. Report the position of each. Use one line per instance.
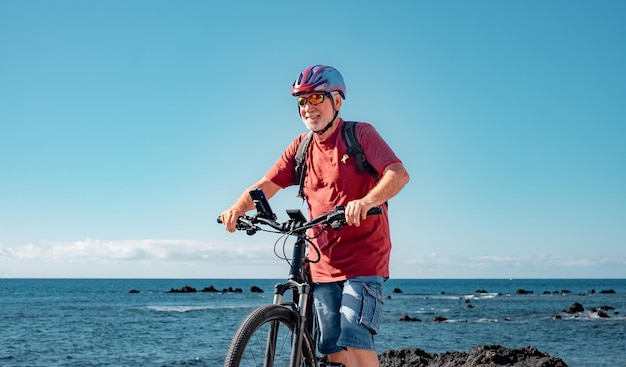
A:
(319, 78)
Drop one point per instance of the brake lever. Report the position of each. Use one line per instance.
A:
(243, 224)
(246, 224)
(336, 224)
(340, 220)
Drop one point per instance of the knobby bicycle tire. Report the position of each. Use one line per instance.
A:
(250, 342)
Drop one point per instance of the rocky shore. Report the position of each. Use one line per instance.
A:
(481, 356)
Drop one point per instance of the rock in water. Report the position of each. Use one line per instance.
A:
(481, 356)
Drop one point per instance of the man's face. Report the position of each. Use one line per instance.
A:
(316, 109)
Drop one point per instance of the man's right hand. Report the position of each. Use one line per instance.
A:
(229, 218)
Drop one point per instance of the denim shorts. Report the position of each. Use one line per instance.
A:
(348, 313)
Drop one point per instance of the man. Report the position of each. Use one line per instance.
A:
(355, 259)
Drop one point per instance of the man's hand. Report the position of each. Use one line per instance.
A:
(356, 211)
(393, 179)
(229, 218)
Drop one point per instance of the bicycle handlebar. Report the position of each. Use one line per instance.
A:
(297, 224)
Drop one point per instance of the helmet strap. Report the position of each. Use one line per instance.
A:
(328, 126)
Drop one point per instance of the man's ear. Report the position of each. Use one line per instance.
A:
(338, 100)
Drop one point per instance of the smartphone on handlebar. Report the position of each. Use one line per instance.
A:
(262, 205)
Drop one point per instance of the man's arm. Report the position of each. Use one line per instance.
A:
(392, 181)
(244, 203)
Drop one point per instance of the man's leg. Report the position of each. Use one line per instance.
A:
(327, 300)
(340, 357)
(362, 358)
(361, 308)
(359, 317)
(353, 357)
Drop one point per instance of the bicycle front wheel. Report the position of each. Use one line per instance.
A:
(264, 339)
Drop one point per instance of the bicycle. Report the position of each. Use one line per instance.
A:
(283, 333)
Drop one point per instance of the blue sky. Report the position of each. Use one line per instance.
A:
(128, 126)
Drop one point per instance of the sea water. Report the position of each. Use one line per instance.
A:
(99, 322)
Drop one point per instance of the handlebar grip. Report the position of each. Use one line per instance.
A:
(375, 210)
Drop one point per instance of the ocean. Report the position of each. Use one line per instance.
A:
(100, 322)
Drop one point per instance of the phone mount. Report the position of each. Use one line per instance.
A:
(262, 205)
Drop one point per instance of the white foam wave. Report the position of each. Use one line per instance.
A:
(588, 315)
(179, 308)
(485, 320)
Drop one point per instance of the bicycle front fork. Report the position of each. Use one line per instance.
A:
(301, 293)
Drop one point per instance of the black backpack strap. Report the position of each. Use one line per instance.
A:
(301, 162)
(354, 148)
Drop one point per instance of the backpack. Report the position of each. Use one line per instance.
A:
(354, 149)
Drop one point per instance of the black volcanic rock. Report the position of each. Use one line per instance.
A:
(523, 291)
(185, 289)
(481, 356)
(409, 318)
(576, 307)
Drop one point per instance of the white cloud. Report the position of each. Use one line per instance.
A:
(189, 258)
(94, 250)
(533, 266)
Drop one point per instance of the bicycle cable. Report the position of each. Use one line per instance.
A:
(310, 244)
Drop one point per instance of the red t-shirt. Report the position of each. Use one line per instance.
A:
(350, 251)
